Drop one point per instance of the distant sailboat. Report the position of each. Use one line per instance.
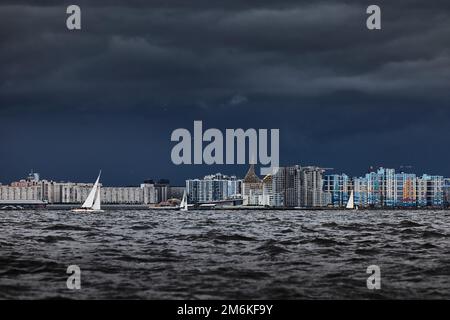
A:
(93, 201)
(351, 202)
(184, 203)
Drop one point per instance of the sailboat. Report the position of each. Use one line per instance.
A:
(93, 201)
(351, 202)
(184, 203)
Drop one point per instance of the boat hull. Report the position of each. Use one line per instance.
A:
(86, 210)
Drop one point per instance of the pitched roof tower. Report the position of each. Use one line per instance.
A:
(251, 176)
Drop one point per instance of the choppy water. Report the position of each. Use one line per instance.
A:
(225, 254)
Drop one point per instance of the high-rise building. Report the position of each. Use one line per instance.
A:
(435, 190)
(297, 186)
(339, 187)
(162, 190)
(311, 187)
(406, 190)
(212, 188)
(388, 187)
(385, 188)
(360, 187)
(421, 192)
(286, 186)
(234, 187)
(446, 189)
(374, 189)
(267, 183)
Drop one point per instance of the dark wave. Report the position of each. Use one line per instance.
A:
(144, 227)
(433, 234)
(326, 242)
(54, 239)
(409, 224)
(272, 247)
(367, 252)
(64, 227)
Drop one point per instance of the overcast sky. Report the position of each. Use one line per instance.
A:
(110, 95)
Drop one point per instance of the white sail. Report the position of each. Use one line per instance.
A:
(97, 201)
(92, 195)
(184, 204)
(351, 202)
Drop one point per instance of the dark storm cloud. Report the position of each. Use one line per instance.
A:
(310, 68)
(179, 54)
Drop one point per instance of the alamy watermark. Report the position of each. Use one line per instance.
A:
(218, 151)
(73, 21)
(374, 281)
(74, 280)
(373, 22)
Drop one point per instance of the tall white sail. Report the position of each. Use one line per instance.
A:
(97, 201)
(183, 199)
(92, 195)
(184, 204)
(351, 202)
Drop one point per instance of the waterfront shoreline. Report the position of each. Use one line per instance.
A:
(54, 207)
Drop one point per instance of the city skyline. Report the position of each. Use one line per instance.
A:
(292, 186)
(181, 180)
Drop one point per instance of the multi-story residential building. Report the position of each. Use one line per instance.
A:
(405, 190)
(162, 190)
(74, 193)
(268, 195)
(385, 188)
(446, 190)
(421, 192)
(339, 187)
(32, 192)
(374, 189)
(326, 199)
(234, 187)
(297, 186)
(311, 187)
(205, 190)
(435, 190)
(360, 186)
(212, 188)
(149, 194)
(388, 187)
(286, 186)
(123, 195)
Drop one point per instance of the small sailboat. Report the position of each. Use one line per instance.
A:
(93, 201)
(351, 202)
(184, 202)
